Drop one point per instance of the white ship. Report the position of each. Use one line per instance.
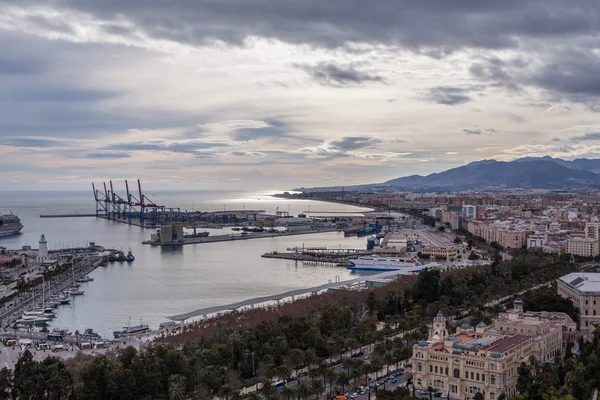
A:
(10, 225)
(385, 264)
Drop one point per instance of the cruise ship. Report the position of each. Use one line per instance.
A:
(10, 225)
(385, 264)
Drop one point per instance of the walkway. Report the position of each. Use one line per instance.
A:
(277, 297)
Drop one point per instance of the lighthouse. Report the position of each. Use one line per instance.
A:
(43, 249)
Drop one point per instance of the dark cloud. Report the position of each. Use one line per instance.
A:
(448, 95)
(31, 142)
(103, 155)
(330, 74)
(276, 129)
(459, 23)
(494, 72)
(247, 153)
(586, 136)
(555, 139)
(472, 131)
(58, 94)
(351, 143)
(572, 73)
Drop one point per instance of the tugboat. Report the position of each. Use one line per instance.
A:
(130, 256)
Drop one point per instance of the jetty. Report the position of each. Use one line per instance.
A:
(339, 257)
(229, 238)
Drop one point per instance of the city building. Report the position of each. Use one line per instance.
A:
(583, 288)
(485, 359)
(469, 211)
(583, 247)
(536, 241)
(445, 253)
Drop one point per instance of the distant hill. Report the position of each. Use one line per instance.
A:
(542, 173)
(524, 173)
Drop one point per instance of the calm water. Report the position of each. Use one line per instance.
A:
(167, 281)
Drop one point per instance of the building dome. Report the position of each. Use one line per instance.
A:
(481, 325)
(451, 338)
(465, 326)
(423, 343)
(440, 316)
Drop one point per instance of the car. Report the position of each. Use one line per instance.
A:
(366, 357)
(443, 396)
(354, 395)
(422, 391)
(394, 380)
(437, 394)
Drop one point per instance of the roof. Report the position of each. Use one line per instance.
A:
(505, 344)
(584, 282)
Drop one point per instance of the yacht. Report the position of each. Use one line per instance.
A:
(131, 330)
(385, 264)
(86, 278)
(10, 225)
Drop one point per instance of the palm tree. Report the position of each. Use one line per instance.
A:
(225, 392)
(282, 372)
(252, 396)
(267, 389)
(317, 387)
(342, 380)
(176, 389)
(297, 358)
(286, 393)
(302, 392)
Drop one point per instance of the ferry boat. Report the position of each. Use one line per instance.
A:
(385, 264)
(130, 256)
(10, 225)
(131, 330)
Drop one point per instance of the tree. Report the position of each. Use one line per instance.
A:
(6, 383)
(457, 240)
(525, 378)
(479, 396)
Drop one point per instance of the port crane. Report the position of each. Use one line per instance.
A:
(110, 205)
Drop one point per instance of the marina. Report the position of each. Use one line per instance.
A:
(169, 280)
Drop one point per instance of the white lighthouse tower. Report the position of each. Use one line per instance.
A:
(43, 249)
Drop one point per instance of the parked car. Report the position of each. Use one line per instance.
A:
(443, 396)
(394, 380)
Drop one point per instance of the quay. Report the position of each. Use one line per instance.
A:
(339, 257)
(278, 297)
(228, 238)
(66, 215)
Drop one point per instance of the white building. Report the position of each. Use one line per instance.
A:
(43, 249)
(536, 241)
(469, 211)
(583, 288)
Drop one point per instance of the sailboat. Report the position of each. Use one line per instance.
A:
(75, 291)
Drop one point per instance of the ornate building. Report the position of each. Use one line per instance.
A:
(485, 359)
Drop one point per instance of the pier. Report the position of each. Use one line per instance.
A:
(338, 257)
(277, 297)
(67, 215)
(229, 238)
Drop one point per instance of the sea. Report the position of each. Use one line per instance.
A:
(165, 281)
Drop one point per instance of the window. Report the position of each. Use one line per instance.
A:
(493, 379)
(456, 373)
(586, 323)
(472, 376)
(586, 312)
(466, 375)
(446, 371)
(483, 377)
(477, 376)
(594, 312)
(492, 395)
(436, 369)
(431, 368)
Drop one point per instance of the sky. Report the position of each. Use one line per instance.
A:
(278, 94)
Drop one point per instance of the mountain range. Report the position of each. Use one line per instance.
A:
(524, 173)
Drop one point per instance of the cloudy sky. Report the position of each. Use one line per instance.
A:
(265, 94)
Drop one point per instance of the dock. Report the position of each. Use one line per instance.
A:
(67, 215)
(339, 257)
(229, 238)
